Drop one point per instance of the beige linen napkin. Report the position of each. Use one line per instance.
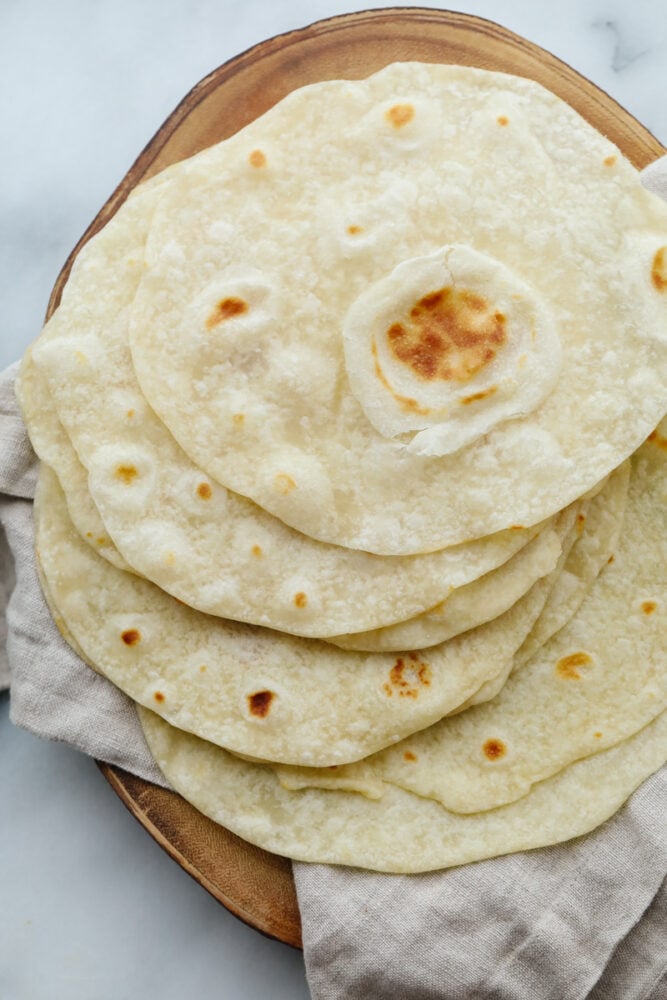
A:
(583, 919)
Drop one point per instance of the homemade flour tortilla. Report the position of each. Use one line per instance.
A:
(50, 442)
(255, 691)
(169, 521)
(598, 522)
(594, 549)
(399, 832)
(407, 311)
(595, 683)
(467, 606)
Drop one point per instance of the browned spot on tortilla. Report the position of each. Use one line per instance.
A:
(450, 334)
(130, 413)
(256, 550)
(484, 394)
(284, 483)
(648, 607)
(126, 473)
(400, 114)
(659, 270)
(89, 534)
(610, 559)
(409, 755)
(407, 676)
(203, 668)
(131, 636)
(494, 749)
(257, 158)
(657, 440)
(609, 161)
(238, 418)
(158, 696)
(333, 767)
(300, 599)
(567, 666)
(101, 540)
(226, 309)
(503, 120)
(353, 230)
(516, 527)
(259, 703)
(598, 736)
(405, 402)
(204, 491)
(581, 521)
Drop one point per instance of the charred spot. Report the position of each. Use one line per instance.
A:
(494, 749)
(204, 491)
(484, 394)
(610, 559)
(284, 483)
(516, 527)
(503, 120)
(158, 696)
(648, 607)
(400, 114)
(256, 550)
(581, 521)
(659, 270)
(300, 599)
(657, 440)
(609, 161)
(449, 334)
(409, 755)
(131, 636)
(354, 230)
(126, 473)
(259, 703)
(407, 676)
(568, 666)
(405, 402)
(257, 159)
(226, 309)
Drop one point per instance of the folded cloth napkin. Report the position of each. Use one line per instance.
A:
(582, 919)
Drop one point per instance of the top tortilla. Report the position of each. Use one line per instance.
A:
(273, 258)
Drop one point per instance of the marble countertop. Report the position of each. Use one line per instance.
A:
(92, 909)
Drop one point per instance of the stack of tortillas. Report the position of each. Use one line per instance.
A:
(354, 476)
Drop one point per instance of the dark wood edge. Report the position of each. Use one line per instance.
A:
(117, 778)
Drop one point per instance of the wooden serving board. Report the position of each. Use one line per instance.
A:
(257, 886)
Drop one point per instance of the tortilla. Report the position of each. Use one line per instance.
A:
(169, 521)
(258, 692)
(595, 683)
(598, 522)
(407, 311)
(399, 832)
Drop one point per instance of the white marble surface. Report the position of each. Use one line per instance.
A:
(91, 909)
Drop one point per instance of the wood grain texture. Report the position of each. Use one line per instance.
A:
(257, 886)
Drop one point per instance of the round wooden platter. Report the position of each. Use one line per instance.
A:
(257, 886)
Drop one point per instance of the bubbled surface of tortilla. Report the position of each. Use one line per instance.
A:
(237, 328)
